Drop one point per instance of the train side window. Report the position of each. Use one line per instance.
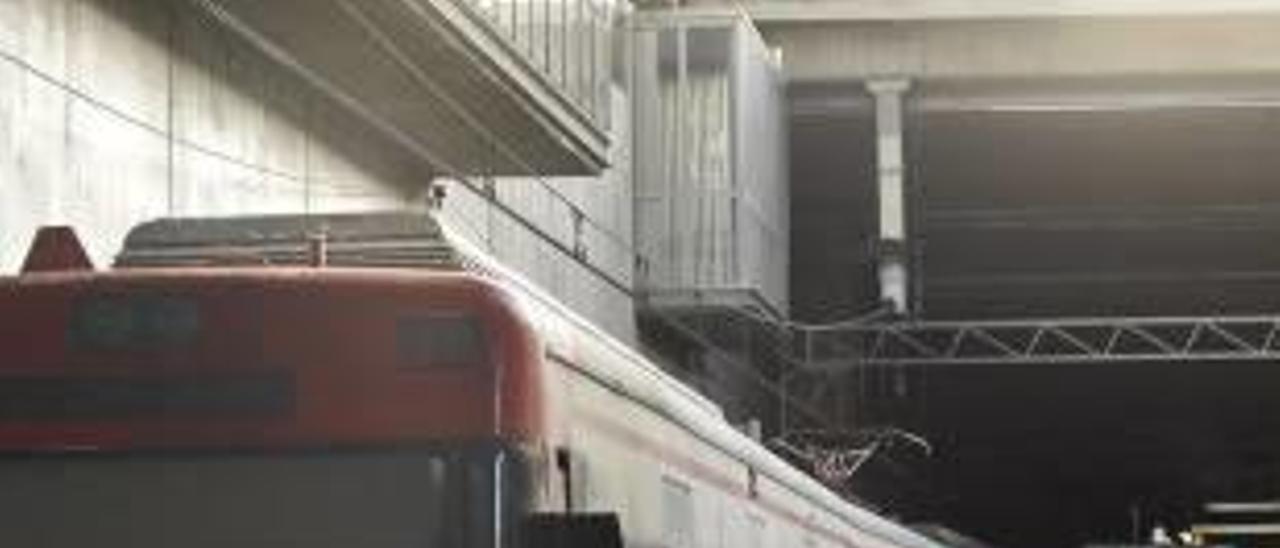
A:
(677, 512)
(440, 340)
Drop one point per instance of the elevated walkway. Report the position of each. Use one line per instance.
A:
(476, 87)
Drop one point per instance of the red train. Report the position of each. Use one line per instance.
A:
(191, 399)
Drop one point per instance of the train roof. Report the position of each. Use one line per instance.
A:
(376, 240)
(271, 275)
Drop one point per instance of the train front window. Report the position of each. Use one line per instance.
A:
(385, 499)
(440, 340)
(134, 322)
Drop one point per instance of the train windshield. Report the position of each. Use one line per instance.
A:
(387, 499)
(139, 322)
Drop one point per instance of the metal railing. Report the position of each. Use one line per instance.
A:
(568, 42)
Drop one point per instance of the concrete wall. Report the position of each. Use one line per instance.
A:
(114, 112)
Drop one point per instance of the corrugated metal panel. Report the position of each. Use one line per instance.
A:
(762, 174)
(710, 149)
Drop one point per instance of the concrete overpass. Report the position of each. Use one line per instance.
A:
(834, 40)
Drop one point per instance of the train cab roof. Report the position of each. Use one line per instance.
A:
(386, 248)
(373, 240)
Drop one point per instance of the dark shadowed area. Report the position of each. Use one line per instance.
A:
(1052, 213)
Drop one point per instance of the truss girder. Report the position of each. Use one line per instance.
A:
(1075, 340)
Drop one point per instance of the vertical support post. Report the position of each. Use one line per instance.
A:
(891, 248)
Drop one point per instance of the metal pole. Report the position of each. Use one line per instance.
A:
(892, 253)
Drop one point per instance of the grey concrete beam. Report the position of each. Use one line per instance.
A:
(966, 50)
(774, 12)
(817, 100)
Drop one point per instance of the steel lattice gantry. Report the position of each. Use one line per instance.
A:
(1048, 341)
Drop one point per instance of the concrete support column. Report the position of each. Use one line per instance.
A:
(892, 238)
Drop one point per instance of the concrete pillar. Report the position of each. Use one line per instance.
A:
(892, 238)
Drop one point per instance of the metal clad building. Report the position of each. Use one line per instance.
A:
(711, 180)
